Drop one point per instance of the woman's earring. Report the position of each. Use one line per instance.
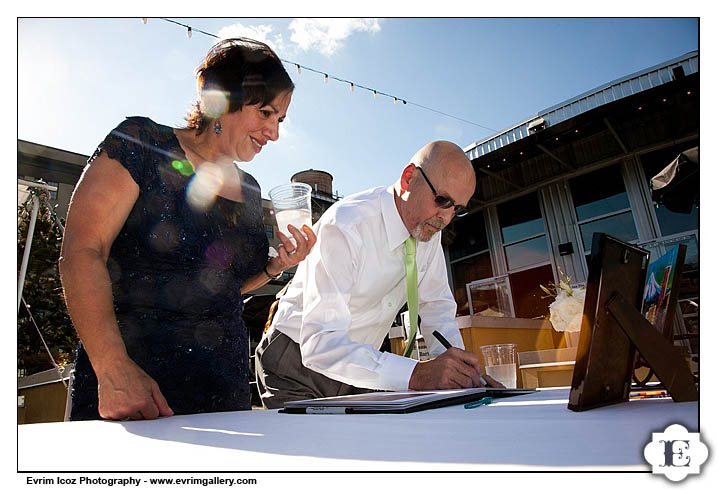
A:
(217, 127)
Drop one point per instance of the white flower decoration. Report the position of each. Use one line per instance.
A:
(567, 308)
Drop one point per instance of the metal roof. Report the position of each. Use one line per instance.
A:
(604, 94)
(38, 150)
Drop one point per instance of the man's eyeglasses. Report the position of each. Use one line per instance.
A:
(443, 201)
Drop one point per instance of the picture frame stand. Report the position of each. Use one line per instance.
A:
(670, 368)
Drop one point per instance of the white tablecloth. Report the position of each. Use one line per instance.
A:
(531, 432)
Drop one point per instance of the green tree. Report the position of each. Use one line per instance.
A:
(43, 293)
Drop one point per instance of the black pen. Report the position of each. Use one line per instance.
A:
(447, 345)
(442, 339)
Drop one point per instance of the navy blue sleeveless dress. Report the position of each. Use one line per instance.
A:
(176, 269)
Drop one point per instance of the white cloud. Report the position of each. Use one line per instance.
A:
(261, 32)
(328, 35)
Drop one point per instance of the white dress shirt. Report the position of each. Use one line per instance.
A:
(347, 292)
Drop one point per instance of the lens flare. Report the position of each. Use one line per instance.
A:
(211, 280)
(203, 187)
(216, 103)
(184, 167)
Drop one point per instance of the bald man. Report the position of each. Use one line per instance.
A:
(327, 330)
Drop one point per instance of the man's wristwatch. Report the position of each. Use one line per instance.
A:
(279, 275)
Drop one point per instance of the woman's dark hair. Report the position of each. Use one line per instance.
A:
(246, 71)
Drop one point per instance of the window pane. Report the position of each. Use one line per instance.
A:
(529, 301)
(599, 193)
(619, 226)
(675, 223)
(470, 236)
(527, 253)
(520, 218)
(466, 271)
(691, 261)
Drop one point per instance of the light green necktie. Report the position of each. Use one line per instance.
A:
(412, 293)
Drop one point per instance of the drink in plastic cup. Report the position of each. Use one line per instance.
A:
(500, 363)
(292, 205)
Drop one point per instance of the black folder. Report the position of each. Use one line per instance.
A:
(396, 402)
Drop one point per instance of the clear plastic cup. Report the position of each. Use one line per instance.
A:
(500, 363)
(292, 205)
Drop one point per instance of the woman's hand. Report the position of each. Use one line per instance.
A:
(125, 391)
(289, 254)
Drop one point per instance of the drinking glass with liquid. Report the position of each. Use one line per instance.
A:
(292, 205)
(500, 363)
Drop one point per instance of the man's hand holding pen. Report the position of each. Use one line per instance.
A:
(453, 369)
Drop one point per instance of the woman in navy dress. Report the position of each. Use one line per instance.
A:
(163, 236)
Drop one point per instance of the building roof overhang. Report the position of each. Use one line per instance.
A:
(662, 115)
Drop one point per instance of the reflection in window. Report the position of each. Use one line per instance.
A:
(599, 193)
(691, 242)
(602, 205)
(523, 233)
(470, 237)
(520, 218)
(474, 268)
(675, 223)
(529, 300)
(620, 226)
(526, 253)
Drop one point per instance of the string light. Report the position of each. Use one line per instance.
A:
(351, 84)
(144, 20)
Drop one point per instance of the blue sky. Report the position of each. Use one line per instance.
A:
(78, 78)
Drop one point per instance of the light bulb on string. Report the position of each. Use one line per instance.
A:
(326, 75)
(144, 20)
(299, 70)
